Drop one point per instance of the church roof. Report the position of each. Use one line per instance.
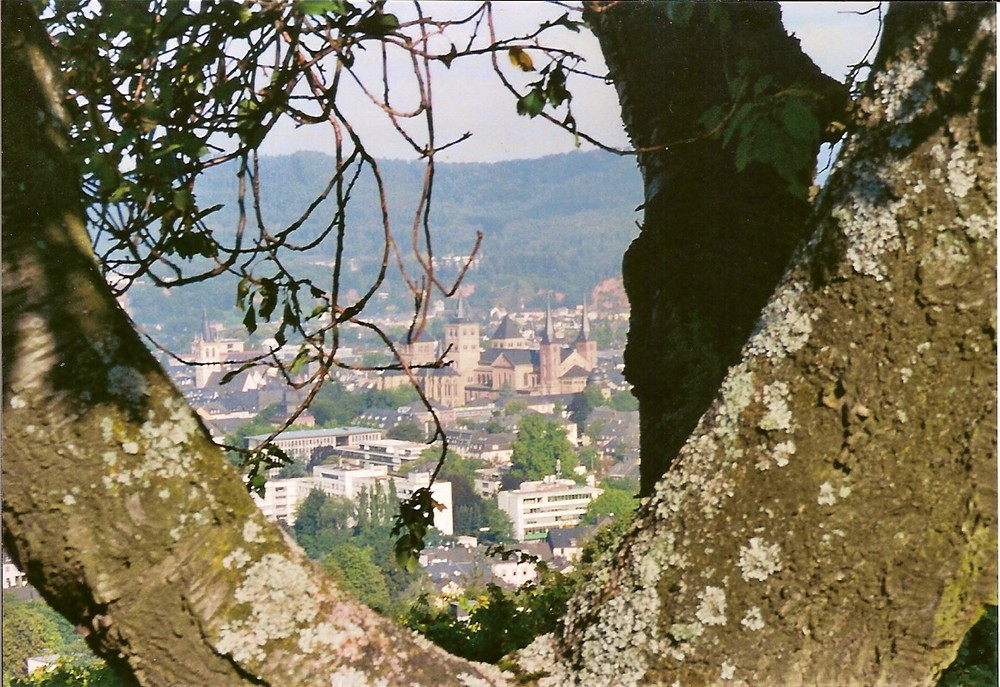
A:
(507, 329)
(515, 356)
(576, 371)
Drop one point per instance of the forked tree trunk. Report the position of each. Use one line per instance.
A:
(831, 521)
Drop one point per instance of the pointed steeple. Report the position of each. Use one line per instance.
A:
(584, 325)
(461, 312)
(549, 333)
(207, 333)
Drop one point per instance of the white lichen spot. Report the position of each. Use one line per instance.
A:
(961, 171)
(778, 415)
(352, 677)
(728, 671)
(753, 620)
(844, 492)
(69, 499)
(782, 452)
(16, 402)
(252, 532)
(903, 90)
(685, 632)
(107, 429)
(784, 326)
(128, 384)
(826, 495)
(274, 602)
(905, 373)
(759, 560)
(979, 228)
(902, 416)
(164, 494)
(130, 447)
(867, 218)
(237, 558)
(712, 609)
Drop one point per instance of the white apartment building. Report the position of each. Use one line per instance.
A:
(282, 498)
(392, 453)
(301, 444)
(551, 503)
(348, 481)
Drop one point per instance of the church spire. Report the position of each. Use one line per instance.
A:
(584, 325)
(549, 334)
(207, 334)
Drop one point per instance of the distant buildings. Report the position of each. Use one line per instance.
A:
(282, 497)
(301, 444)
(511, 363)
(535, 508)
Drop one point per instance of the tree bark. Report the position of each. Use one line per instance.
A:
(714, 240)
(116, 504)
(832, 520)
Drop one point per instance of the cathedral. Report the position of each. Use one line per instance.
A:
(510, 364)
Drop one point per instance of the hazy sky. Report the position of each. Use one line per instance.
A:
(469, 97)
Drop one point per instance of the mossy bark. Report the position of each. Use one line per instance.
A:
(714, 240)
(832, 519)
(116, 504)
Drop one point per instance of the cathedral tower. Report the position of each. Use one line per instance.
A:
(549, 356)
(586, 346)
(462, 336)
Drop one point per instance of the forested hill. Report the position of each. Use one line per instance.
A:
(559, 223)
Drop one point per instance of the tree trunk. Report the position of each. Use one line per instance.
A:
(715, 240)
(832, 520)
(116, 504)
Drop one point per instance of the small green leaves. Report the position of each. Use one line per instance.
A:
(416, 514)
(531, 103)
(549, 90)
(310, 7)
(378, 24)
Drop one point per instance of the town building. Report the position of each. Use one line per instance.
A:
(282, 497)
(537, 507)
(300, 444)
(348, 481)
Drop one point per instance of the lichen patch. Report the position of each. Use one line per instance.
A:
(759, 560)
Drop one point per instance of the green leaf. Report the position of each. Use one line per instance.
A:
(319, 6)
(555, 89)
(799, 121)
(532, 103)
(301, 358)
(762, 84)
(712, 117)
(250, 320)
(378, 24)
(183, 199)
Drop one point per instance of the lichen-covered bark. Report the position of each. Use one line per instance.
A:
(714, 241)
(115, 502)
(832, 520)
